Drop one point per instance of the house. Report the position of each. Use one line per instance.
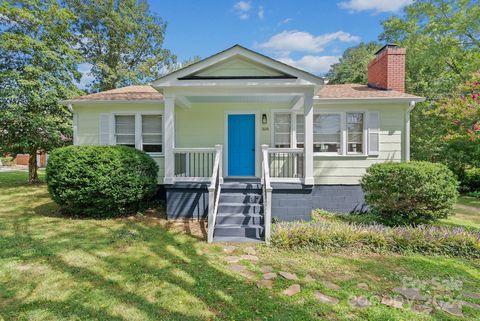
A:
(242, 139)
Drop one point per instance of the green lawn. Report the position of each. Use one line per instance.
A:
(145, 268)
(467, 213)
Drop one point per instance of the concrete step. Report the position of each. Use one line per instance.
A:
(241, 197)
(237, 239)
(236, 230)
(240, 208)
(240, 219)
(241, 185)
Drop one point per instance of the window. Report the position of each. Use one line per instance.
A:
(300, 130)
(125, 130)
(152, 133)
(282, 130)
(355, 133)
(139, 131)
(326, 133)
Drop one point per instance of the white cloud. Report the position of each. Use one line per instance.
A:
(290, 41)
(284, 21)
(376, 5)
(313, 64)
(261, 12)
(242, 9)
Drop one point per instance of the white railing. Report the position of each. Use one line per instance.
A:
(193, 164)
(214, 189)
(286, 164)
(267, 193)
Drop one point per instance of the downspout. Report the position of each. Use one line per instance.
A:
(411, 105)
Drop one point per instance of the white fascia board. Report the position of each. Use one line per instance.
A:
(238, 91)
(100, 102)
(320, 101)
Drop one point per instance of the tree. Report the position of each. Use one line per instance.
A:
(185, 63)
(38, 67)
(353, 65)
(122, 40)
(442, 38)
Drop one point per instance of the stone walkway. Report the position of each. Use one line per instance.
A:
(399, 297)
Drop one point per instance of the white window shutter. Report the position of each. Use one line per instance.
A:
(104, 138)
(373, 133)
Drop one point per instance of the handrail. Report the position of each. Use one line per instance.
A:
(286, 164)
(285, 150)
(214, 192)
(267, 193)
(193, 149)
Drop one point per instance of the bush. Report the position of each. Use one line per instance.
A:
(422, 239)
(7, 161)
(410, 193)
(101, 181)
(471, 180)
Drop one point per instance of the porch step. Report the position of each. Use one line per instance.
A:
(239, 219)
(240, 212)
(251, 231)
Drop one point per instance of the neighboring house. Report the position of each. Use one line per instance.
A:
(255, 137)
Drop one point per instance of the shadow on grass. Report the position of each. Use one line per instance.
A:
(98, 259)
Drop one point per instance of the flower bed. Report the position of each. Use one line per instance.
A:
(424, 239)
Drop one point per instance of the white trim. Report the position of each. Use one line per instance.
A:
(99, 102)
(407, 130)
(257, 115)
(75, 128)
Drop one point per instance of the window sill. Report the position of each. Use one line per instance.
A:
(156, 154)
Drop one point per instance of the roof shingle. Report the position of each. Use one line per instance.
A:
(346, 91)
(125, 93)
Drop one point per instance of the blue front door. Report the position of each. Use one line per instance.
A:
(241, 145)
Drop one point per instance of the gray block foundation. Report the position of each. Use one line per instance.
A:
(290, 202)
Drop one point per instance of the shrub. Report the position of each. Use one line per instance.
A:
(101, 181)
(423, 239)
(7, 161)
(410, 193)
(471, 179)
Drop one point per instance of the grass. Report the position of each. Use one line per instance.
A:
(467, 213)
(147, 268)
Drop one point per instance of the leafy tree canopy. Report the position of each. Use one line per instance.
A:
(38, 68)
(122, 40)
(353, 65)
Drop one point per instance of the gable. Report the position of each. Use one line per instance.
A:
(237, 67)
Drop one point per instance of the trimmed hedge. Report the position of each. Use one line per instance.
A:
(410, 193)
(423, 239)
(101, 181)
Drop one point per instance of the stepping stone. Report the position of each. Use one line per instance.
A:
(266, 269)
(232, 259)
(267, 284)
(363, 286)
(359, 302)
(269, 276)
(249, 257)
(292, 290)
(392, 302)
(422, 308)
(325, 298)
(331, 286)
(451, 308)
(236, 268)
(410, 293)
(288, 276)
(308, 278)
(470, 305)
(229, 249)
(471, 295)
(248, 275)
(250, 250)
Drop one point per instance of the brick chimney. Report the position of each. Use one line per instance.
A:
(387, 70)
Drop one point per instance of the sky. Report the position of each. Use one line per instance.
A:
(308, 34)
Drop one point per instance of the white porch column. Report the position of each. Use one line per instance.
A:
(407, 130)
(169, 122)
(308, 152)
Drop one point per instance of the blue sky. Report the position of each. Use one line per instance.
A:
(307, 34)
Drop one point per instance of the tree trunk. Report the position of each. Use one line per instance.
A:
(32, 167)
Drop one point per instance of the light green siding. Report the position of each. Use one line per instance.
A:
(204, 125)
(349, 169)
(88, 120)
